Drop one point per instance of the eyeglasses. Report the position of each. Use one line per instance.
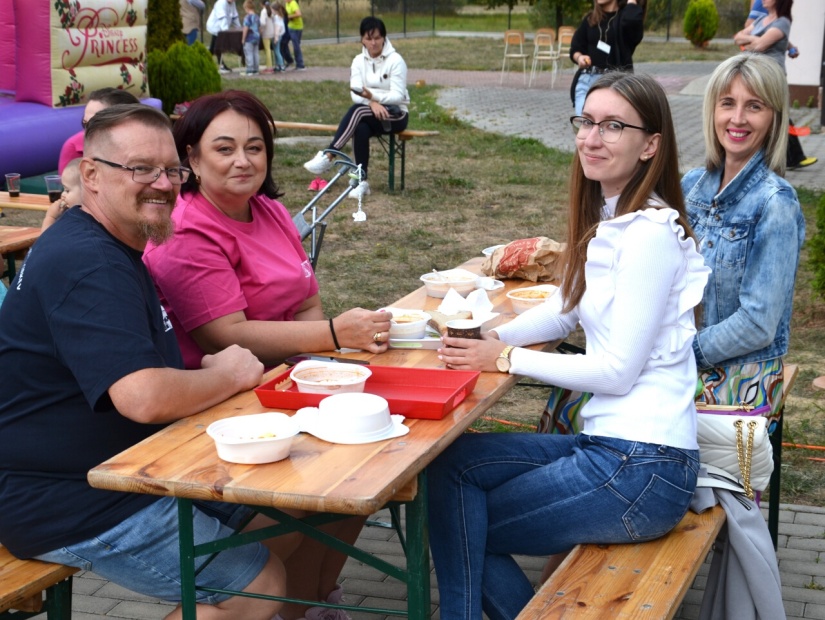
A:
(609, 130)
(150, 174)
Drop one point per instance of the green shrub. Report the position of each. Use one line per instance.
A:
(811, 103)
(701, 21)
(183, 73)
(164, 25)
(816, 249)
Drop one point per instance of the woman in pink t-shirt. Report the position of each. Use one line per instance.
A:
(235, 271)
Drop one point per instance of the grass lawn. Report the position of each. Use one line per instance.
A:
(466, 190)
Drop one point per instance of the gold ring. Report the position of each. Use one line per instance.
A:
(377, 337)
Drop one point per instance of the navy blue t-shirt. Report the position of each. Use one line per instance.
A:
(81, 314)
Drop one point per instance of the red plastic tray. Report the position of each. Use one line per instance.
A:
(425, 393)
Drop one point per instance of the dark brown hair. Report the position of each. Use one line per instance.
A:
(190, 128)
(658, 175)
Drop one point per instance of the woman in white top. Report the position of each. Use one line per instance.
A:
(631, 277)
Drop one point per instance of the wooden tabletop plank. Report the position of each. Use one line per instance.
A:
(352, 479)
(32, 202)
(17, 238)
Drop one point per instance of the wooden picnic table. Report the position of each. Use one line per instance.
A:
(181, 461)
(31, 202)
(14, 242)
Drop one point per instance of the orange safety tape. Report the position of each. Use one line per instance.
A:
(802, 446)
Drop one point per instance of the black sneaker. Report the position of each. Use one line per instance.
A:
(288, 65)
(225, 69)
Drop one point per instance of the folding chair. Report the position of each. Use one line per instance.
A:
(565, 40)
(544, 50)
(514, 50)
(316, 226)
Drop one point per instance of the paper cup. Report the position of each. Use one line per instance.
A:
(464, 328)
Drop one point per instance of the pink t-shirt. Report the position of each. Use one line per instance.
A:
(215, 266)
(72, 149)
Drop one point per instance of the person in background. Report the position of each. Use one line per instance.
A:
(769, 35)
(750, 229)
(378, 85)
(92, 367)
(631, 276)
(98, 100)
(191, 13)
(279, 16)
(285, 38)
(605, 41)
(251, 37)
(296, 31)
(268, 35)
(70, 196)
(224, 16)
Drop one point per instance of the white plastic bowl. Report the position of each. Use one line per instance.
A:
(408, 323)
(529, 297)
(314, 377)
(253, 439)
(438, 283)
(354, 417)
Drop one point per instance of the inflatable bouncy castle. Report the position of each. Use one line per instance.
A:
(53, 53)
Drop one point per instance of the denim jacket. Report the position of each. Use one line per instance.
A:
(750, 235)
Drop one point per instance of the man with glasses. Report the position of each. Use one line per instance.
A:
(98, 100)
(91, 367)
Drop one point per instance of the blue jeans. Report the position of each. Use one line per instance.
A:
(142, 553)
(279, 58)
(296, 35)
(494, 495)
(192, 36)
(250, 52)
(582, 87)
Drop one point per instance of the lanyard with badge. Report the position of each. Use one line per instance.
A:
(603, 45)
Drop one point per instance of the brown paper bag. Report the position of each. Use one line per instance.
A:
(533, 259)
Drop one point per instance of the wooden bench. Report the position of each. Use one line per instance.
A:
(394, 143)
(644, 580)
(22, 583)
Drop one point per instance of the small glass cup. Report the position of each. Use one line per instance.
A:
(54, 187)
(464, 328)
(13, 184)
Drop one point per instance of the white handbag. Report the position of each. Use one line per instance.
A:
(738, 444)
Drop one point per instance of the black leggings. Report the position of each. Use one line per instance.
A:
(360, 124)
(795, 154)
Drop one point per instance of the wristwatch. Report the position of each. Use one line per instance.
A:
(503, 359)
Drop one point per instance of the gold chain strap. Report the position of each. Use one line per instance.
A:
(744, 453)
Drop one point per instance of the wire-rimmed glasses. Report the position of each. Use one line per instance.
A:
(149, 174)
(609, 130)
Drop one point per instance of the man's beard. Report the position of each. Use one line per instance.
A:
(159, 232)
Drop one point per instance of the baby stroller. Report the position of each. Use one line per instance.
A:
(316, 226)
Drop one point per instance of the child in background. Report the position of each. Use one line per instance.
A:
(70, 196)
(279, 15)
(268, 35)
(251, 37)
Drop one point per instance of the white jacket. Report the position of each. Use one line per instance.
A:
(224, 16)
(267, 25)
(385, 77)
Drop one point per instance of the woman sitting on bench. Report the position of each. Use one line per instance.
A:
(631, 277)
(750, 229)
(378, 81)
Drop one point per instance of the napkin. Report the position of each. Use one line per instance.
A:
(476, 302)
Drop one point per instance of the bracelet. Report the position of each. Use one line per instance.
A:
(334, 337)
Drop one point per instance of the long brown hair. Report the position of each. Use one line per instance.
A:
(659, 175)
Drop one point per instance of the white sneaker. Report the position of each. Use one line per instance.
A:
(362, 190)
(319, 164)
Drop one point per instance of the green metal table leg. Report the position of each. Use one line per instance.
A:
(418, 557)
(402, 150)
(187, 558)
(59, 601)
(391, 181)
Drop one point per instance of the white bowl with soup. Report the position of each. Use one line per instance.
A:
(531, 296)
(408, 323)
(313, 377)
(254, 439)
